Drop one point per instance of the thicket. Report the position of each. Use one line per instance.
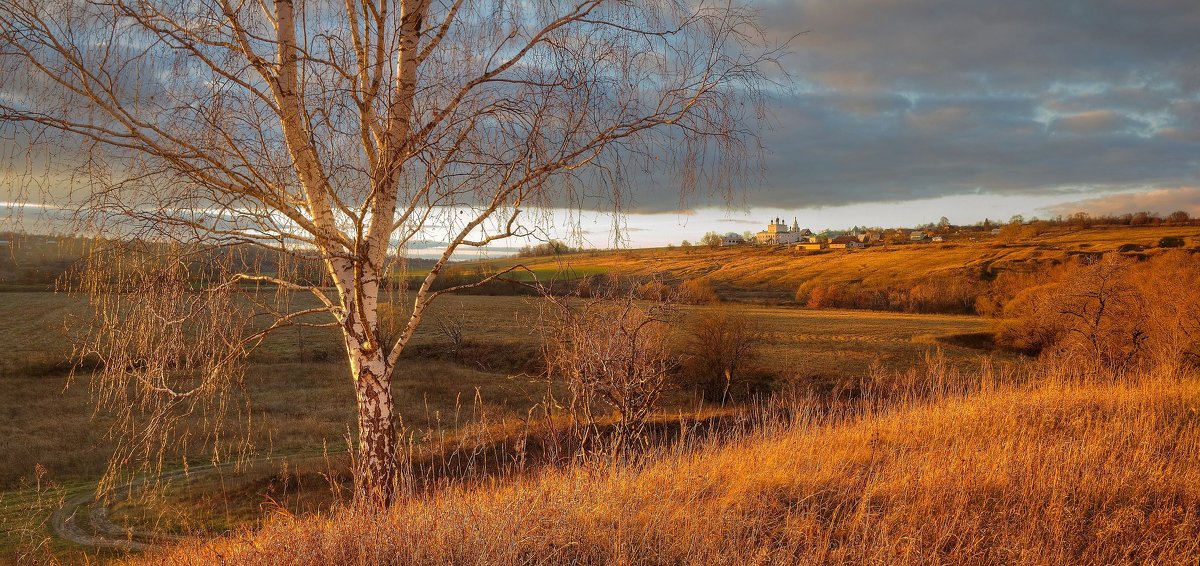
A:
(954, 292)
(1112, 314)
(971, 291)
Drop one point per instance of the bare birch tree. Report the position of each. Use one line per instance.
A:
(346, 130)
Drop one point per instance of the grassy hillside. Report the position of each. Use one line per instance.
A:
(1049, 473)
(774, 273)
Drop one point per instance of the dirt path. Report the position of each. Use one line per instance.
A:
(84, 520)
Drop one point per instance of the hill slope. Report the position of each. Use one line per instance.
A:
(775, 273)
(1046, 474)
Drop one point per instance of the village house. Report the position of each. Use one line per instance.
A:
(868, 237)
(918, 236)
(814, 244)
(846, 242)
(732, 239)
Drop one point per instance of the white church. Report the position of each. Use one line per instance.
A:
(777, 232)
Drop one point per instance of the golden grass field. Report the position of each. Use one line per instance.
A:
(899, 438)
(1045, 472)
(774, 273)
(302, 408)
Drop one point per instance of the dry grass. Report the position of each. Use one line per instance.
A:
(1046, 473)
(773, 274)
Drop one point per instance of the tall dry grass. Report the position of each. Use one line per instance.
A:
(951, 468)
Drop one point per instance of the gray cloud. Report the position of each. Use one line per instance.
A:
(926, 98)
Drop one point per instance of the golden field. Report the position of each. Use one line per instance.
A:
(1047, 472)
(890, 437)
(301, 404)
(774, 273)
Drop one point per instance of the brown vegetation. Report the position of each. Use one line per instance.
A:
(1110, 314)
(900, 276)
(721, 351)
(1048, 472)
(610, 351)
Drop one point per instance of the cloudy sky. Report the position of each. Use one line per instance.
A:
(907, 110)
(903, 111)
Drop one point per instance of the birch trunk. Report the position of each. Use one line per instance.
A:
(375, 476)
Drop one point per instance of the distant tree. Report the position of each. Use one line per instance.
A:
(553, 247)
(1140, 219)
(711, 239)
(1081, 220)
(943, 223)
(1016, 219)
(685, 244)
(1179, 217)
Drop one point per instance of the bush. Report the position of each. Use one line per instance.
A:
(1110, 315)
(697, 292)
(611, 351)
(653, 290)
(1170, 242)
(720, 352)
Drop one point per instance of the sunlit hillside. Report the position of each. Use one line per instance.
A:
(775, 273)
(1046, 472)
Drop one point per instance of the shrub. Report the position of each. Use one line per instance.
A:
(1170, 242)
(697, 292)
(653, 290)
(1112, 314)
(719, 354)
(609, 351)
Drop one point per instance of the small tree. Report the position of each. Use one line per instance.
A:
(1091, 316)
(711, 239)
(1179, 217)
(719, 348)
(610, 350)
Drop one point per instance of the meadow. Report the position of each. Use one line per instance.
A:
(774, 274)
(1048, 471)
(884, 437)
(300, 400)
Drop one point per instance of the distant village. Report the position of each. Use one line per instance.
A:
(778, 233)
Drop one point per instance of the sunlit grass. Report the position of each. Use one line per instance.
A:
(1048, 473)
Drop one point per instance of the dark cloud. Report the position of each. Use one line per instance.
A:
(900, 100)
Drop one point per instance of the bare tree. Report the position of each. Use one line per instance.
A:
(720, 346)
(342, 131)
(610, 350)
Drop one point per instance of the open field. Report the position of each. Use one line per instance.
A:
(1041, 473)
(774, 273)
(302, 403)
